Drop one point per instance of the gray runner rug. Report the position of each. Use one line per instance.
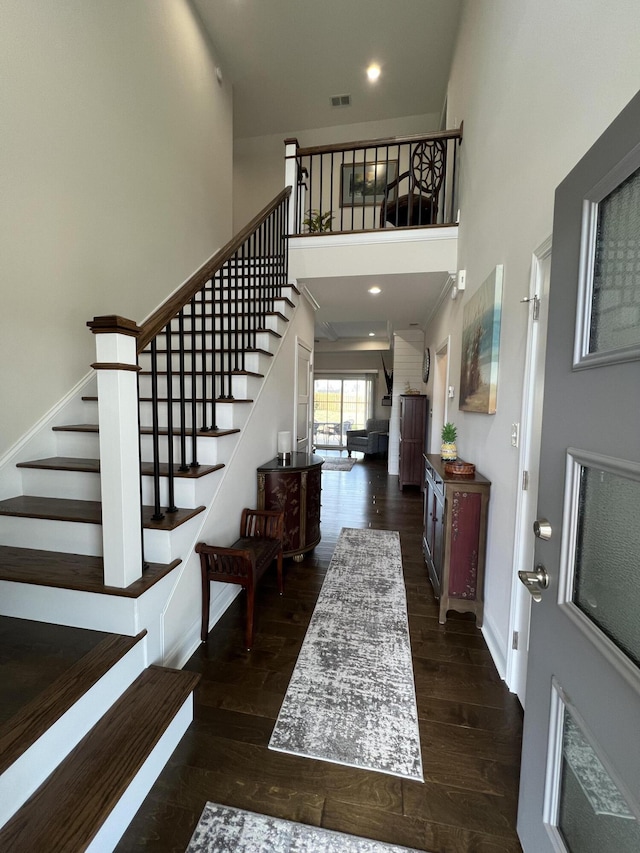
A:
(351, 699)
(222, 829)
(337, 463)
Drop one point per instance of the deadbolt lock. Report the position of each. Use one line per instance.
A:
(542, 529)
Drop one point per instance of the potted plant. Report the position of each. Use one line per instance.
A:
(448, 450)
(317, 221)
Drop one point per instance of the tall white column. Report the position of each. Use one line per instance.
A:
(117, 368)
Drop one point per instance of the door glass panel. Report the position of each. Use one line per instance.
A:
(615, 311)
(606, 586)
(593, 815)
(339, 405)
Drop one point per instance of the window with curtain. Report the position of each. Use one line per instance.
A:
(340, 403)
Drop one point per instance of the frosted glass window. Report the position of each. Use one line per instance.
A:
(593, 817)
(607, 568)
(615, 310)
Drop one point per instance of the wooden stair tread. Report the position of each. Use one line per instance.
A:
(69, 808)
(63, 463)
(72, 571)
(198, 374)
(216, 351)
(85, 512)
(94, 428)
(92, 466)
(177, 402)
(33, 719)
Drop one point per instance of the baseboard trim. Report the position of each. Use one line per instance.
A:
(496, 650)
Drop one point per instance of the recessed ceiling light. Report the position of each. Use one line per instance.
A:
(373, 72)
(372, 334)
(375, 290)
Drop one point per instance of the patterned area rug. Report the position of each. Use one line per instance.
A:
(351, 699)
(222, 829)
(337, 463)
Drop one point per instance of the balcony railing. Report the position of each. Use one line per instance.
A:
(396, 182)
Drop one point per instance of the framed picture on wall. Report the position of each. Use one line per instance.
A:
(481, 347)
(364, 184)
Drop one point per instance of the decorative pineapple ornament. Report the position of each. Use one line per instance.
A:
(448, 450)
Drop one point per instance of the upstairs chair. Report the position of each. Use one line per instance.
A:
(374, 438)
(260, 543)
(426, 173)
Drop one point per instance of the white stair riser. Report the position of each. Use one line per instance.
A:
(228, 415)
(84, 486)
(253, 361)
(78, 445)
(210, 451)
(73, 537)
(50, 535)
(74, 485)
(22, 778)
(263, 341)
(124, 812)
(271, 321)
(241, 386)
(246, 306)
(163, 546)
(188, 492)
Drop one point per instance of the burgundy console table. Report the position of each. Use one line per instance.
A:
(454, 537)
(294, 488)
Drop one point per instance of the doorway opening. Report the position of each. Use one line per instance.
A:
(339, 404)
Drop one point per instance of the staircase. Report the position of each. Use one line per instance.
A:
(99, 737)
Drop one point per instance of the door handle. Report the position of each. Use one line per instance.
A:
(535, 582)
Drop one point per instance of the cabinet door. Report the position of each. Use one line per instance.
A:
(438, 536)
(314, 483)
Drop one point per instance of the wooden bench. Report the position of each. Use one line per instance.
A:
(244, 563)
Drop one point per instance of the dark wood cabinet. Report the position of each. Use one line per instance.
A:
(454, 537)
(413, 436)
(294, 487)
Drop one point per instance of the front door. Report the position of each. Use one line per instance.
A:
(580, 780)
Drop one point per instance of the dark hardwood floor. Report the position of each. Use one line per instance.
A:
(470, 724)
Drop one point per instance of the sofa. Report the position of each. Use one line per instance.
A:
(374, 438)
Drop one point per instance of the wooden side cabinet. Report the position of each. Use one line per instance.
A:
(454, 538)
(413, 423)
(294, 487)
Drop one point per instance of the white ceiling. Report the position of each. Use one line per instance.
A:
(286, 58)
(349, 312)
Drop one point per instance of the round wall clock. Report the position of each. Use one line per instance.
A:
(426, 365)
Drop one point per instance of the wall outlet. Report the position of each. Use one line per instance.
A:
(461, 280)
(515, 435)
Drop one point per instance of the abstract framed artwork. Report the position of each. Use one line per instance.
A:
(481, 347)
(364, 184)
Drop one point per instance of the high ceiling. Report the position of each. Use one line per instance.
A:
(286, 58)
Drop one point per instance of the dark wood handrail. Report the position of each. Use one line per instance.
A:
(379, 143)
(169, 309)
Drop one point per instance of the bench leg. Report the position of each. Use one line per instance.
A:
(205, 606)
(280, 577)
(249, 625)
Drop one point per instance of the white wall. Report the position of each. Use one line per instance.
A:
(408, 350)
(536, 84)
(115, 165)
(258, 161)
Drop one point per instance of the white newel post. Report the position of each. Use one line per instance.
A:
(291, 180)
(117, 369)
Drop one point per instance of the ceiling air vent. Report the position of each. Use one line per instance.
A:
(341, 100)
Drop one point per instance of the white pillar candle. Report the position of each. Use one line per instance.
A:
(284, 442)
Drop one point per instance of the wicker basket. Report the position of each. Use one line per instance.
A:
(460, 469)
